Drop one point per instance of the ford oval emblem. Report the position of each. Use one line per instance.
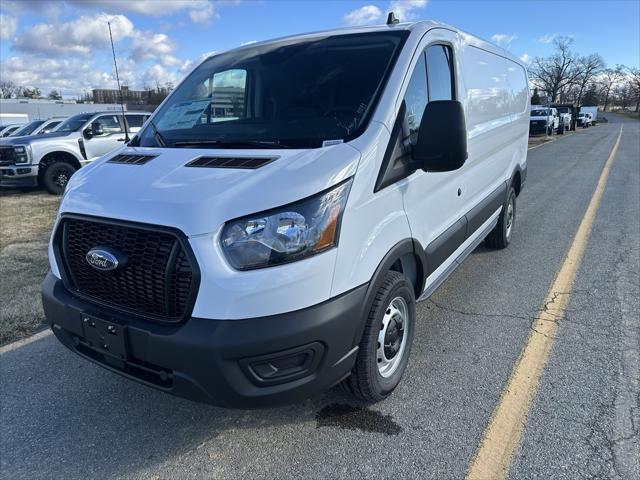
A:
(105, 259)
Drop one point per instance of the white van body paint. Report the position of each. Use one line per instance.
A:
(422, 206)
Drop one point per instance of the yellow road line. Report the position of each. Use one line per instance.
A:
(502, 435)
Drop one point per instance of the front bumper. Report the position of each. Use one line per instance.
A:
(229, 363)
(19, 176)
(537, 128)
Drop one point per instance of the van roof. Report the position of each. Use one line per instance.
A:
(422, 26)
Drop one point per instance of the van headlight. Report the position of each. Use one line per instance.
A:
(23, 153)
(287, 233)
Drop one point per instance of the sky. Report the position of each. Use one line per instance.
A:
(64, 45)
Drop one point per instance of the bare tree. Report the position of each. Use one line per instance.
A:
(560, 70)
(587, 69)
(610, 77)
(8, 89)
(54, 95)
(634, 80)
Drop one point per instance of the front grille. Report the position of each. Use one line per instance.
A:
(243, 163)
(7, 156)
(158, 280)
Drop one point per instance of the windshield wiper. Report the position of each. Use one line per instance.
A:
(232, 143)
(157, 135)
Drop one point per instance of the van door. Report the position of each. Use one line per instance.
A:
(107, 135)
(433, 201)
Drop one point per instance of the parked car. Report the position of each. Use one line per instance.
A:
(36, 127)
(570, 110)
(49, 159)
(584, 120)
(6, 130)
(268, 232)
(543, 120)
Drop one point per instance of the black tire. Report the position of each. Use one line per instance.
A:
(500, 237)
(366, 382)
(55, 176)
(561, 130)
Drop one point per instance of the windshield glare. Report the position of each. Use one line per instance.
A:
(27, 129)
(286, 94)
(75, 123)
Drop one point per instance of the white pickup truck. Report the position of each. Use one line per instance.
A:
(543, 120)
(49, 160)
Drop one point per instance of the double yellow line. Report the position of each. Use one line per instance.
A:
(502, 435)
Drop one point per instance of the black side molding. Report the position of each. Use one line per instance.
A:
(441, 248)
(481, 212)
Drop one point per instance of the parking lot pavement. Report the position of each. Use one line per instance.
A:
(63, 417)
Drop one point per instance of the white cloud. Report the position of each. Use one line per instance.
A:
(79, 36)
(548, 38)
(405, 9)
(153, 46)
(8, 27)
(69, 76)
(200, 11)
(503, 39)
(526, 58)
(363, 15)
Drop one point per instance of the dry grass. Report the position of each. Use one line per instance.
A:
(539, 140)
(26, 219)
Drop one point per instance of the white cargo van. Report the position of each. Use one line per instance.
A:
(268, 232)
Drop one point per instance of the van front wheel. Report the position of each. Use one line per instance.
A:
(500, 236)
(386, 342)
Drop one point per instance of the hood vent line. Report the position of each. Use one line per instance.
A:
(131, 159)
(243, 163)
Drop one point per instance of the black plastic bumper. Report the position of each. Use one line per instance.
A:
(9, 177)
(224, 362)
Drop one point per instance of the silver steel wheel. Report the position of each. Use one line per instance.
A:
(509, 219)
(392, 339)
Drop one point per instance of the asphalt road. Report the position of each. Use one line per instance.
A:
(62, 417)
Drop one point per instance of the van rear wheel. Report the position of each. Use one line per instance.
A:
(500, 236)
(386, 341)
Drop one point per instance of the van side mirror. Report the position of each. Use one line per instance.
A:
(442, 137)
(86, 133)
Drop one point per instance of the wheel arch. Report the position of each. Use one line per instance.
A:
(59, 155)
(406, 257)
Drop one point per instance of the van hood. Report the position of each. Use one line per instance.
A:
(198, 200)
(28, 139)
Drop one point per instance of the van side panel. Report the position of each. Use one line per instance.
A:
(521, 107)
(491, 133)
(372, 223)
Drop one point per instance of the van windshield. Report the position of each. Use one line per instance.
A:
(74, 123)
(540, 113)
(289, 94)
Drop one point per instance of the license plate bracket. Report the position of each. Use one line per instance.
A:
(106, 337)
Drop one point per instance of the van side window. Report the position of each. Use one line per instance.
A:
(440, 72)
(416, 98)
